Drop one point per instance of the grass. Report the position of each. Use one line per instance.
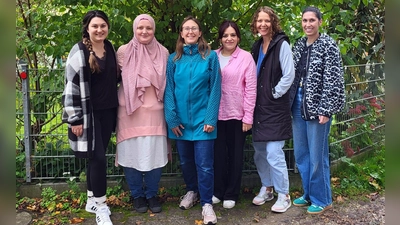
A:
(362, 175)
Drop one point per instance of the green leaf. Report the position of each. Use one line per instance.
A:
(340, 28)
(49, 51)
(355, 42)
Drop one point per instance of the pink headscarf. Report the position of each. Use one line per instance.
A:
(143, 66)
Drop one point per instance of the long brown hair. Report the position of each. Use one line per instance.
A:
(276, 28)
(94, 66)
(203, 46)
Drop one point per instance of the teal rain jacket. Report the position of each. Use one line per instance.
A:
(192, 94)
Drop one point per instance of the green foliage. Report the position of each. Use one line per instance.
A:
(20, 164)
(362, 124)
(358, 26)
(360, 177)
(49, 199)
(175, 191)
(115, 190)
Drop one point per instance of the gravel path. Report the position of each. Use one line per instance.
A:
(355, 212)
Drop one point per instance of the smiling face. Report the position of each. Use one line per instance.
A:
(190, 32)
(229, 40)
(310, 24)
(144, 32)
(264, 24)
(97, 30)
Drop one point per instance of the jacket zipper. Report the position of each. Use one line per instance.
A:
(305, 114)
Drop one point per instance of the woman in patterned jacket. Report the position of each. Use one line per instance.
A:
(316, 94)
(90, 106)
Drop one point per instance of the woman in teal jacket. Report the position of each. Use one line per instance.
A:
(192, 97)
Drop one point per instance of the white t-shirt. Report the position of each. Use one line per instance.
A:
(223, 60)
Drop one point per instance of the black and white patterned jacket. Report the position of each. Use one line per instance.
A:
(324, 82)
(76, 99)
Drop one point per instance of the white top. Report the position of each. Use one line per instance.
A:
(223, 60)
(143, 153)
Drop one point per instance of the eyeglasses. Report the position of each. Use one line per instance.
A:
(187, 29)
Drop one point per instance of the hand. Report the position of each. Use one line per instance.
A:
(177, 130)
(77, 130)
(323, 119)
(208, 128)
(246, 127)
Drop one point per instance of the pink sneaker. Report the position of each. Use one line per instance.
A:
(208, 213)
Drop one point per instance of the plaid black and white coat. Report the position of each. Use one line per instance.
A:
(77, 102)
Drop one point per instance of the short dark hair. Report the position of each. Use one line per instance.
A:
(313, 9)
(224, 25)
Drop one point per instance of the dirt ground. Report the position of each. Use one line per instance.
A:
(355, 212)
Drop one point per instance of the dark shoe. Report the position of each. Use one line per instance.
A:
(154, 204)
(140, 204)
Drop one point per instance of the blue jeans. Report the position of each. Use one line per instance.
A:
(143, 184)
(311, 152)
(197, 165)
(271, 165)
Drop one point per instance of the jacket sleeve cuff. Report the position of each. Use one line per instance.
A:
(79, 122)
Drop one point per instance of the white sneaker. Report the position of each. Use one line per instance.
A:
(188, 200)
(208, 213)
(102, 216)
(228, 204)
(263, 196)
(282, 204)
(91, 206)
(215, 200)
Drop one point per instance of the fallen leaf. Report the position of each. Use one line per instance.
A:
(333, 179)
(339, 198)
(31, 207)
(373, 196)
(376, 185)
(76, 220)
(198, 222)
(152, 214)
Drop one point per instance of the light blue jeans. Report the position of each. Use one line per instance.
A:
(143, 184)
(197, 165)
(271, 165)
(311, 152)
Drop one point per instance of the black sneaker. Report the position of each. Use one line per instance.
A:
(140, 204)
(154, 204)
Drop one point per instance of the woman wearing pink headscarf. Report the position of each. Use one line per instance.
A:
(141, 127)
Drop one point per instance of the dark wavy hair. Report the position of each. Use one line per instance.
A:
(276, 28)
(94, 66)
